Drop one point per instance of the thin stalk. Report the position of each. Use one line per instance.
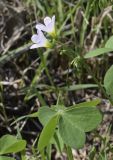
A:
(49, 151)
(2, 107)
(23, 157)
(85, 21)
(41, 99)
(57, 140)
(43, 155)
(69, 153)
(69, 16)
(43, 59)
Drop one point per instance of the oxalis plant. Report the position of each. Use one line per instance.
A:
(64, 127)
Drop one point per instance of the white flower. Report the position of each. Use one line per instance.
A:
(48, 26)
(40, 41)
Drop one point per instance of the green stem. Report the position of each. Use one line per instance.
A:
(69, 16)
(23, 155)
(43, 59)
(43, 155)
(2, 107)
(89, 7)
(49, 151)
(69, 153)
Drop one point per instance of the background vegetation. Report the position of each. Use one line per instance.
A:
(28, 82)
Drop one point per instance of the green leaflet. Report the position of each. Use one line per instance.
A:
(71, 134)
(10, 144)
(109, 43)
(47, 133)
(97, 52)
(86, 118)
(6, 158)
(78, 86)
(86, 104)
(108, 82)
(45, 114)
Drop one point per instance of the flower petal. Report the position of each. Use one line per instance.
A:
(47, 20)
(41, 27)
(34, 46)
(41, 36)
(49, 28)
(43, 41)
(53, 19)
(35, 38)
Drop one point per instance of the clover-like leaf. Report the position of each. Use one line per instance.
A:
(74, 121)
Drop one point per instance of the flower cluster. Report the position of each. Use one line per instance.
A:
(39, 39)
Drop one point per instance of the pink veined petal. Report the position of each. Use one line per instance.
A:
(35, 38)
(41, 27)
(47, 20)
(34, 46)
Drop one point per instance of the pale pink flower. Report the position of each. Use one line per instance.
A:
(48, 26)
(40, 40)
